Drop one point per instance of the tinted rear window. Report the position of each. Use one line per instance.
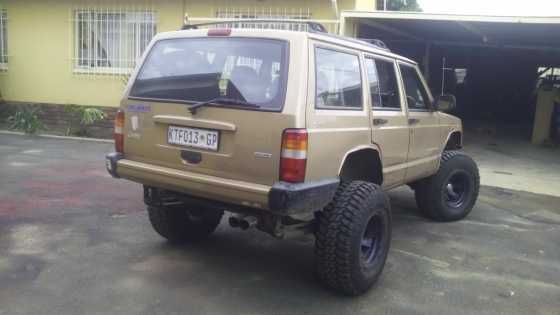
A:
(201, 69)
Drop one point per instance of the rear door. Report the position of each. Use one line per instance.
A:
(225, 139)
(425, 137)
(390, 125)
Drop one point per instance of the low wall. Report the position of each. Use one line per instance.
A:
(57, 119)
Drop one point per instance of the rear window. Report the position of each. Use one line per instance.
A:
(202, 69)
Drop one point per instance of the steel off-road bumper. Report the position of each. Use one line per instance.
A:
(287, 198)
(111, 160)
(281, 198)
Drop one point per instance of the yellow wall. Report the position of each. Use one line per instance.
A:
(40, 45)
(40, 65)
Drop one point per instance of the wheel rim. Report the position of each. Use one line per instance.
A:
(371, 244)
(456, 189)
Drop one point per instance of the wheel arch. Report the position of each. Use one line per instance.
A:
(357, 165)
(454, 140)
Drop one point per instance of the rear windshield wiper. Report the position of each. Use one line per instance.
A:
(222, 101)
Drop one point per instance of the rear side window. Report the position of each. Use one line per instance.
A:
(373, 80)
(386, 94)
(416, 94)
(202, 69)
(338, 82)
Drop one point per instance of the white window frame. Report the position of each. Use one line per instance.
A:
(3, 39)
(112, 38)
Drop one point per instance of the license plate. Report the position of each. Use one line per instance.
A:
(193, 137)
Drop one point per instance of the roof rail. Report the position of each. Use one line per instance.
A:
(375, 43)
(312, 27)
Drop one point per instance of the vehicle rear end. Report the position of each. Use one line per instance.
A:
(216, 114)
(215, 120)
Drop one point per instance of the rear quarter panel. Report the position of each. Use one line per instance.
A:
(333, 133)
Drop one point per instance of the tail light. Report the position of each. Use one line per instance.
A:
(118, 133)
(293, 158)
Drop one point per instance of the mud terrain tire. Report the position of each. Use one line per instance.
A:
(451, 193)
(353, 238)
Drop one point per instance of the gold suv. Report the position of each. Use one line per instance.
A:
(290, 131)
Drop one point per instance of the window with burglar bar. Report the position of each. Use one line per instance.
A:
(111, 41)
(3, 40)
(265, 14)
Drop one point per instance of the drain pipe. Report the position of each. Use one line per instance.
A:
(334, 6)
(185, 14)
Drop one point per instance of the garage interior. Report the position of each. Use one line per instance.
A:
(501, 69)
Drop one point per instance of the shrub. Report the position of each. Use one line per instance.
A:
(26, 120)
(90, 115)
(87, 116)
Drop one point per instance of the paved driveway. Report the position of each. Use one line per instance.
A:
(75, 241)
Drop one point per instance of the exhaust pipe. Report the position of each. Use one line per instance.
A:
(234, 221)
(247, 223)
(243, 222)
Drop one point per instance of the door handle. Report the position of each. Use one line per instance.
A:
(413, 121)
(380, 121)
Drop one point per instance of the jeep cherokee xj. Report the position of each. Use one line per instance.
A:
(290, 131)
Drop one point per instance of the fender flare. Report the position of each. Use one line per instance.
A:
(370, 147)
(450, 134)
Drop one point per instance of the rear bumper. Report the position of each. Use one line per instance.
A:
(298, 198)
(281, 198)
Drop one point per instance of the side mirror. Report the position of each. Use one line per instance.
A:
(445, 103)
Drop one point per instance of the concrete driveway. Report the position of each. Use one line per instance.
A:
(75, 241)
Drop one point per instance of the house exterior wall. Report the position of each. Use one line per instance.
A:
(40, 43)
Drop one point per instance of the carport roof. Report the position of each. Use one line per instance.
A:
(508, 32)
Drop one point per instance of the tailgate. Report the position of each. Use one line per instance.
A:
(237, 138)
(247, 149)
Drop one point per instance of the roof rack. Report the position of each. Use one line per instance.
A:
(312, 27)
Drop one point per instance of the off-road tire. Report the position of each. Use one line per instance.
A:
(178, 224)
(338, 245)
(431, 192)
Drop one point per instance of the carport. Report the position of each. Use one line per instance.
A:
(490, 63)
